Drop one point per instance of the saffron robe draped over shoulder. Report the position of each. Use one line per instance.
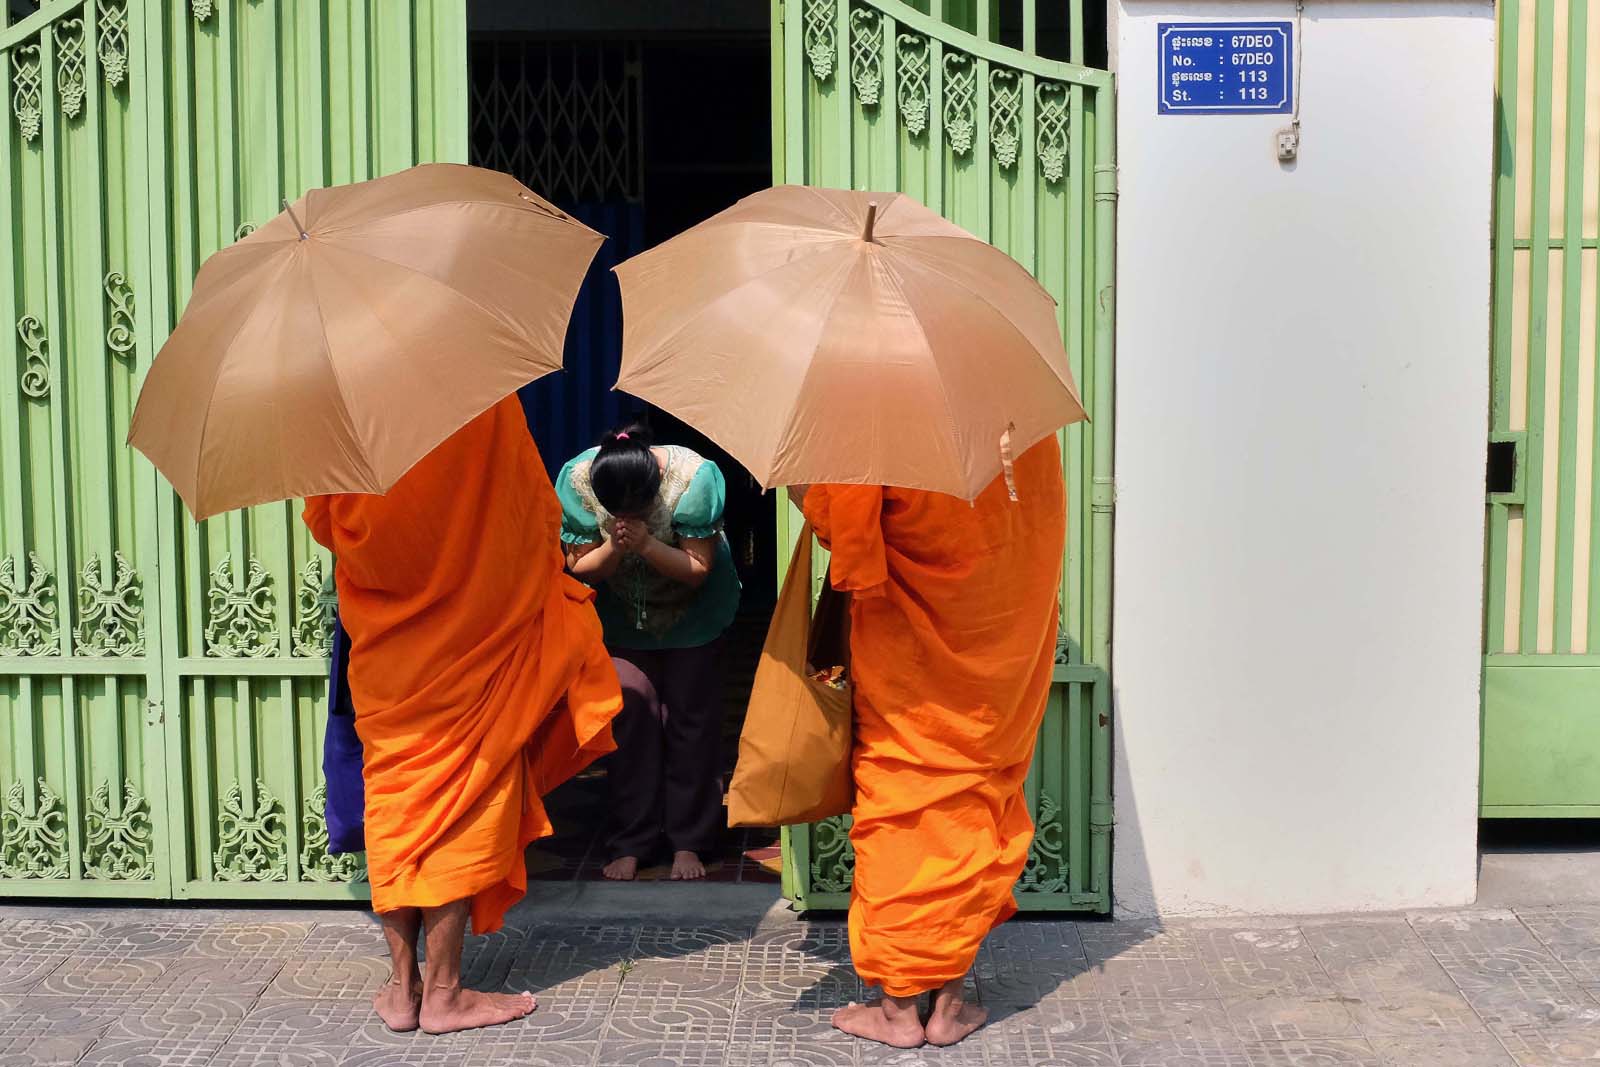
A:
(479, 676)
(952, 646)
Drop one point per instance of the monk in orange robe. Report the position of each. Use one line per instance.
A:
(480, 682)
(953, 635)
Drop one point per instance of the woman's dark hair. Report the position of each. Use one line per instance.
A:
(625, 475)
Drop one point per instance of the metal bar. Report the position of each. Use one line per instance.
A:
(1072, 767)
(1098, 647)
(292, 788)
(57, 303)
(38, 22)
(1030, 30)
(1571, 314)
(200, 807)
(151, 229)
(72, 791)
(1538, 326)
(934, 26)
(1505, 193)
(936, 146)
(1077, 332)
(60, 666)
(886, 123)
(843, 104)
(13, 521)
(979, 170)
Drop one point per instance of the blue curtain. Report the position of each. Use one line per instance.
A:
(568, 412)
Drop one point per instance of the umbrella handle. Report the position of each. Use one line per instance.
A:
(1008, 462)
(294, 219)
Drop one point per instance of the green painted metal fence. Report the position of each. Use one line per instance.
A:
(1019, 149)
(1541, 730)
(160, 682)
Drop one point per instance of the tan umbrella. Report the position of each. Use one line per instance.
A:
(819, 338)
(339, 343)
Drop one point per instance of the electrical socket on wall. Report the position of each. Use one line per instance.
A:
(1288, 144)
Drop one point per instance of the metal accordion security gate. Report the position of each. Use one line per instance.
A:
(161, 682)
(1020, 150)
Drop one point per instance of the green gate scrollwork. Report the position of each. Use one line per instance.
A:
(914, 61)
(27, 100)
(33, 837)
(960, 101)
(202, 9)
(1045, 871)
(866, 54)
(112, 24)
(119, 847)
(833, 862)
(1005, 115)
(240, 616)
(313, 628)
(1051, 98)
(253, 843)
(821, 39)
(317, 864)
(119, 313)
(69, 66)
(110, 617)
(27, 616)
(35, 361)
(245, 230)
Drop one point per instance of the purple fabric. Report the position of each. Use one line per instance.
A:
(341, 755)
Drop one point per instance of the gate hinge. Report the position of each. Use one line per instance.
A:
(1103, 494)
(1105, 182)
(155, 713)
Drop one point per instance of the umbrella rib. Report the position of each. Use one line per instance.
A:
(532, 209)
(903, 243)
(216, 374)
(692, 319)
(489, 312)
(344, 397)
(944, 390)
(1012, 326)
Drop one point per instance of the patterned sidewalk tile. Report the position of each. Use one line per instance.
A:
(1447, 1050)
(31, 949)
(1278, 1018)
(1264, 960)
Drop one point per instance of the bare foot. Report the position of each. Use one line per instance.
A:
(622, 870)
(399, 1004)
(887, 1021)
(686, 867)
(953, 1018)
(444, 1011)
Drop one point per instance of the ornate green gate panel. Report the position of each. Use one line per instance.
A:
(1020, 150)
(161, 683)
(1541, 701)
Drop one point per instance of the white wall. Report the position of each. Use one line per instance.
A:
(1302, 387)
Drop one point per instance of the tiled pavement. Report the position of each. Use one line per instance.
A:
(214, 989)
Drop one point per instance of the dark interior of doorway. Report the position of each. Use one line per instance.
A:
(641, 136)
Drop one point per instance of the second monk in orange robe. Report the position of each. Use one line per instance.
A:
(480, 682)
(952, 647)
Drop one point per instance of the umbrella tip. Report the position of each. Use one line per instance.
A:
(294, 219)
(872, 218)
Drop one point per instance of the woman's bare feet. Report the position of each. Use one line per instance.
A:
(624, 869)
(953, 1019)
(399, 1004)
(891, 1021)
(445, 1011)
(686, 867)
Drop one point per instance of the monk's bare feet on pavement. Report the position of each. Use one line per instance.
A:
(399, 1004)
(445, 1011)
(892, 1021)
(953, 1018)
(686, 867)
(622, 870)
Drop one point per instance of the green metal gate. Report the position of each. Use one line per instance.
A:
(160, 682)
(1020, 150)
(1541, 704)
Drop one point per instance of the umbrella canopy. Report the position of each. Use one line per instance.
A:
(825, 335)
(338, 344)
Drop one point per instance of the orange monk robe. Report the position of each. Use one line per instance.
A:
(952, 646)
(477, 669)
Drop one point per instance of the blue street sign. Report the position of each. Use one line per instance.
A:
(1226, 68)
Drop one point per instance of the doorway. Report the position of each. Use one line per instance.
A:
(604, 111)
